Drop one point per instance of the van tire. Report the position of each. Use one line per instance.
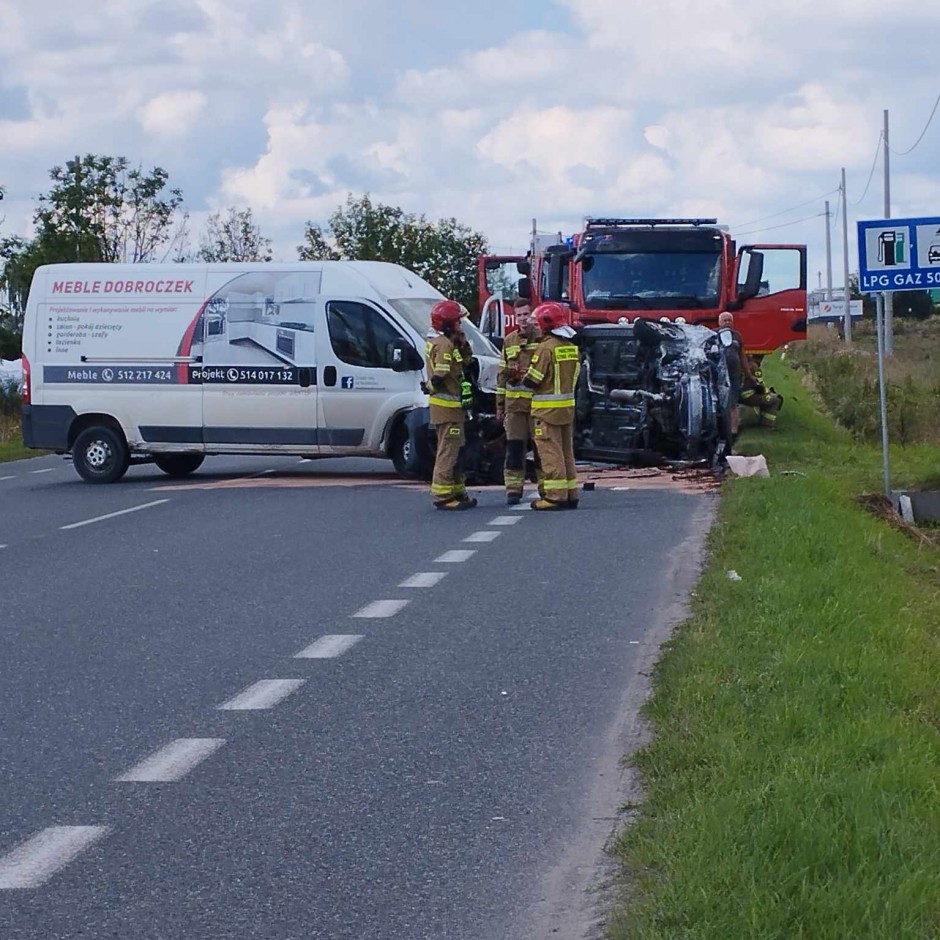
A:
(399, 452)
(100, 455)
(179, 465)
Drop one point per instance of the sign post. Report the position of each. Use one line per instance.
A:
(893, 255)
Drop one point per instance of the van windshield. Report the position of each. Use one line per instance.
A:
(417, 312)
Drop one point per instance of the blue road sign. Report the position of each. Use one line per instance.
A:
(899, 254)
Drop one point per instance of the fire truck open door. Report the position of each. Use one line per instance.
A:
(501, 280)
(770, 296)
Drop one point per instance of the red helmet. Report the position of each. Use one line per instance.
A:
(445, 311)
(550, 316)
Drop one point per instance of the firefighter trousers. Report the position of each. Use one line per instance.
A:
(555, 446)
(519, 432)
(448, 480)
(765, 403)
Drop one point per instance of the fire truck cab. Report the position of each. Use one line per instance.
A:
(685, 270)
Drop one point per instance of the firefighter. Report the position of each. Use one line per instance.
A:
(552, 376)
(767, 402)
(514, 399)
(447, 356)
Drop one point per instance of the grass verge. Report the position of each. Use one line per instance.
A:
(793, 786)
(11, 440)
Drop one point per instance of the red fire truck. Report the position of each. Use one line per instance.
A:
(686, 270)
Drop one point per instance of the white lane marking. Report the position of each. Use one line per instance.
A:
(36, 860)
(483, 536)
(329, 646)
(381, 609)
(172, 762)
(634, 642)
(454, 556)
(505, 520)
(7, 478)
(47, 470)
(265, 693)
(621, 489)
(2, 546)
(520, 507)
(423, 579)
(111, 515)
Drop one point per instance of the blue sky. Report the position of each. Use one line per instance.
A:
(491, 112)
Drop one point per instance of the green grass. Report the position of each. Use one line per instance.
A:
(793, 787)
(11, 440)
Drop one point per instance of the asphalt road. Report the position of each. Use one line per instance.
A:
(442, 762)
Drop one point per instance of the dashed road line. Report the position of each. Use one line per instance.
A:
(112, 515)
(454, 556)
(329, 646)
(35, 861)
(520, 508)
(381, 609)
(505, 520)
(47, 470)
(265, 693)
(485, 535)
(172, 762)
(8, 478)
(423, 579)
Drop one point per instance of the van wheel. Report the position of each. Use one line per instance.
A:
(400, 452)
(179, 465)
(100, 455)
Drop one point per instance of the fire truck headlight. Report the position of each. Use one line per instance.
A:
(623, 321)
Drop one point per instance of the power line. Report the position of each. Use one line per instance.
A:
(904, 153)
(874, 163)
(770, 228)
(774, 215)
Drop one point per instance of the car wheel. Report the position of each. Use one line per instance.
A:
(179, 465)
(100, 455)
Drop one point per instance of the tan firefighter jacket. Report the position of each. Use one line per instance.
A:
(442, 358)
(514, 361)
(552, 376)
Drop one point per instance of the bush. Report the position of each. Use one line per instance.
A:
(847, 381)
(10, 400)
(10, 343)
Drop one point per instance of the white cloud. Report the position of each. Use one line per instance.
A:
(172, 113)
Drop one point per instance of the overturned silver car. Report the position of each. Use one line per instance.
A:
(652, 392)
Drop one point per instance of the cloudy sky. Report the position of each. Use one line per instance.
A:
(492, 111)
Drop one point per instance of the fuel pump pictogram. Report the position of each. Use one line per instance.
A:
(891, 248)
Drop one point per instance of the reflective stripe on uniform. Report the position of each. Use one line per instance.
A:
(444, 401)
(518, 392)
(565, 353)
(558, 400)
(443, 489)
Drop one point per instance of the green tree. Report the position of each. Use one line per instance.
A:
(234, 238)
(98, 209)
(443, 252)
(110, 211)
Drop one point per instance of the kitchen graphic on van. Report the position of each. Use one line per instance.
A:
(258, 319)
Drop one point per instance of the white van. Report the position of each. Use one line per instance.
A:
(170, 363)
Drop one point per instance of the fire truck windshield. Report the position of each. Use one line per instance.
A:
(656, 280)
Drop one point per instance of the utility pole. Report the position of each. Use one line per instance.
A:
(847, 317)
(828, 256)
(889, 296)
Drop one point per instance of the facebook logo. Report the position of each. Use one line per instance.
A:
(346, 381)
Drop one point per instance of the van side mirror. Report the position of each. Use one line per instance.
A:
(403, 357)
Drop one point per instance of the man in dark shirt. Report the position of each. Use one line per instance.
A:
(739, 369)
